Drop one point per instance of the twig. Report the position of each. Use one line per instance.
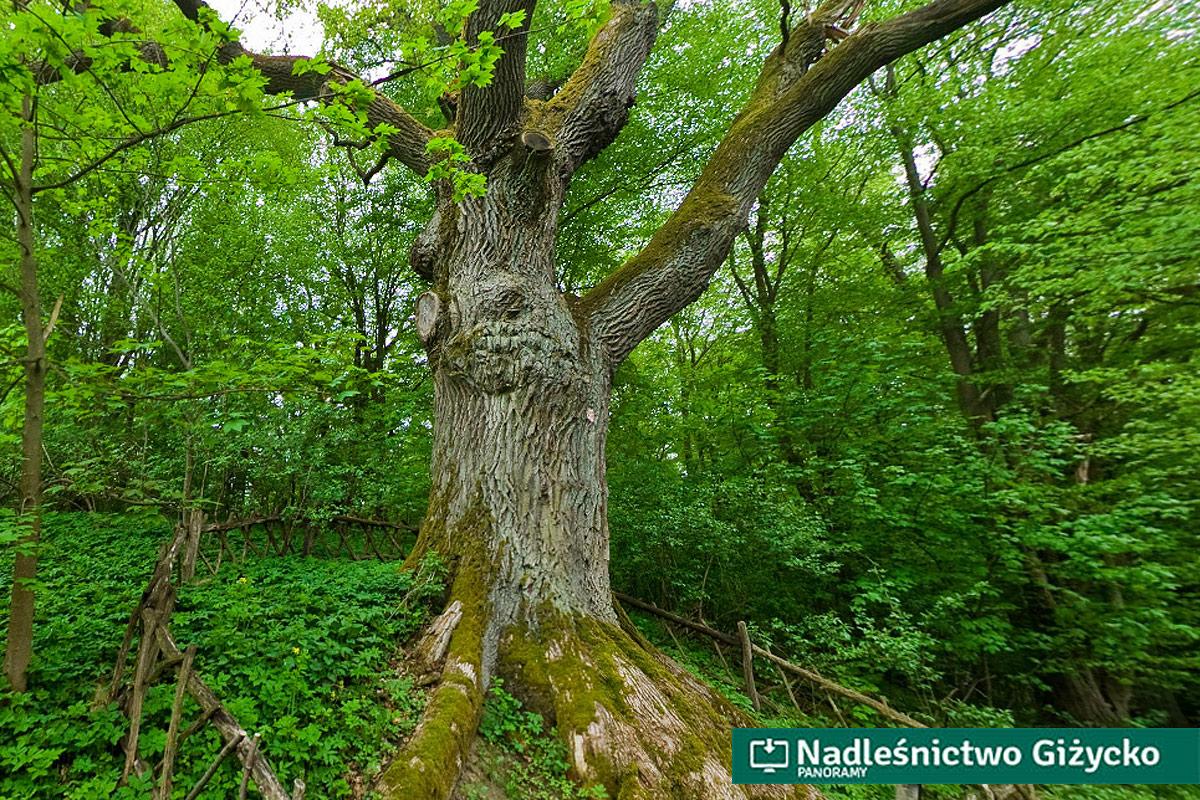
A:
(748, 665)
(882, 708)
(212, 768)
(251, 757)
(171, 748)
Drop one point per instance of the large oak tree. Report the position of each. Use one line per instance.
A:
(523, 371)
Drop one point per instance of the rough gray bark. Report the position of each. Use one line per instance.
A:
(793, 93)
(521, 402)
(522, 379)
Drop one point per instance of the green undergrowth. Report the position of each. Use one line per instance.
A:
(700, 658)
(518, 758)
(300, 650)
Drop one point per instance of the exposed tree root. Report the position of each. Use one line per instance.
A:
(632, 720)
(429, 764)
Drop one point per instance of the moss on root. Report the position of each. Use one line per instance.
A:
(428, 766)
(631, 719)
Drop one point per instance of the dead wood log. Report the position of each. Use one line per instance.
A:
(882, 708)
(212, 768)
(171, 747)
(229, 728)
(251, 758)
(1023, 791)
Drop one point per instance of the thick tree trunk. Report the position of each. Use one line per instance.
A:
(19, 646)
(518, 510)
(522, 376)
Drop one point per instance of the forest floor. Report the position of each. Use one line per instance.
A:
(301, 650)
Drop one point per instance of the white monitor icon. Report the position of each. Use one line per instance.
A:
(768, 755)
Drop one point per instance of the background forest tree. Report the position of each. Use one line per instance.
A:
(931, 430)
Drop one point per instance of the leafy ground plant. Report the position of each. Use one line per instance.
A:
(517, 757)
(301, 650)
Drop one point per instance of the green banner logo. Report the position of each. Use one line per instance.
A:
(966, 755)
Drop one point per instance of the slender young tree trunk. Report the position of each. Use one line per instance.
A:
(950, 323)
(19, 647)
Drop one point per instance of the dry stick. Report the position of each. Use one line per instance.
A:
(836, 710)
(171, 748)
(207, 563)
(787, 684)
(147, 651)
(187, 568)
(123, 653)
(829, 686)
(883, 709)
(194, 523)
(148, 596)
(858, 697)
(249, 529)
(748, 665)
(376, 523)
(678, 646)
(712, 633)
(197, 725)
(234, 524)
(298, 790)
(163, 664)
(371, 541)
(721, 655)
(251, 758)
(212, 768)
(397, 548)
(225, 723)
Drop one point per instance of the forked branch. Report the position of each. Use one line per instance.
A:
(799, 85)
(406, 145)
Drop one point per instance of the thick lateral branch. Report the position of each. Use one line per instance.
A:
(485, 113)
(797, 88)
(591, 108)
(407, 145)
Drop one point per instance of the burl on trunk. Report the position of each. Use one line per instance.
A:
(522, 381)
